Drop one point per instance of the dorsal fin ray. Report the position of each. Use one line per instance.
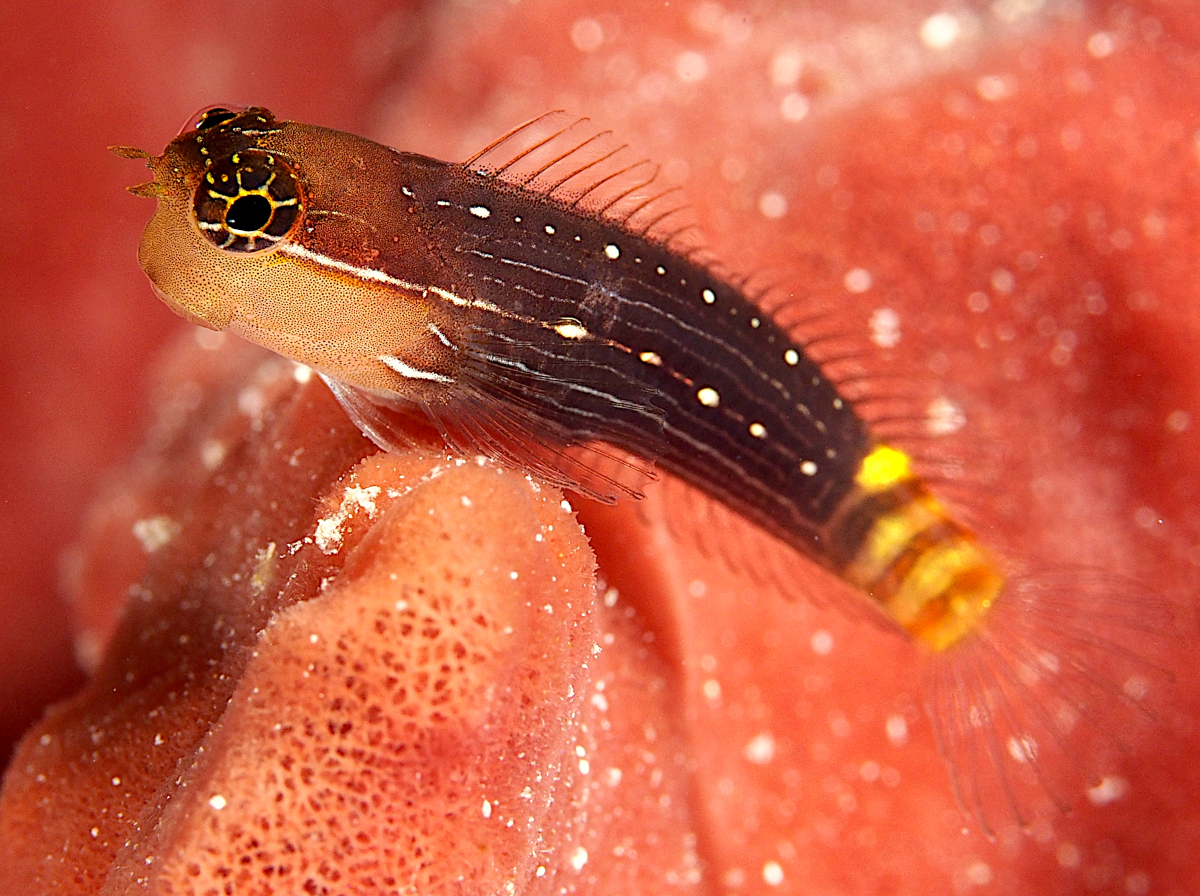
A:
(561, 158)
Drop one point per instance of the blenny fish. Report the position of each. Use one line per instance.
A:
(537, 304)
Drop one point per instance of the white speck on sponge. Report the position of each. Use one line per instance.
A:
(772, 873)
(760, 749)
(156, 532)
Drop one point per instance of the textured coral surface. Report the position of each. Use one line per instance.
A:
(1008, 187)
(333, 678)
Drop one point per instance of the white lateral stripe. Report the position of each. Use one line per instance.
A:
(374, 276)
(433, 328)
(413, 373)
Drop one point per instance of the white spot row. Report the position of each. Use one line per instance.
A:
(569, 328)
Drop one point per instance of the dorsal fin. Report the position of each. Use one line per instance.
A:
(568, 161)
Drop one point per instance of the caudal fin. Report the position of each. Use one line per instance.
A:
(1045, 696)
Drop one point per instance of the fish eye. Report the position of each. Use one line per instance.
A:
(210, 118)
(249, 201)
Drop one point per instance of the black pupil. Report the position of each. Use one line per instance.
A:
(248, 214)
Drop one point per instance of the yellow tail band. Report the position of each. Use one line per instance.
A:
(925, 570)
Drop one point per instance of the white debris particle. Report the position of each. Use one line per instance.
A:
(116, 782)
(579, 858)
(978, 301)
(822, 642)
(1136, 687)
(1101, 44)
(613, 776)
(786, 68)
(158, 740)
(839, 724)
(587, 35)
(794, 107)
(565, 505)
(691, 67)
(760, 749)
(857, 280)
(1003, 281)
(944, 417)
(978, 873)
(940, 31)
(212, 453)
(328, 532)
(885, 328)
(541, 871)
(155, 532)
(466, 502)
(363, 497)
(1022, 749)
(697, 588)
(487, 809)
(264, 568)
(711, 690)
(897, 730)
(217, 801)
(302, 373)
(995, 88)
(772, 205)
(600, 702)
(772, 873)
(1110, 789)
(95, 832)
(45, 740)
(1068, 855)
(328, 535)
(585, 767)
(611, 596)
(251, 402)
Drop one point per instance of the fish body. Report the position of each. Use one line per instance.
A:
(533, 306)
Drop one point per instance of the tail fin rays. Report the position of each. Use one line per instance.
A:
(1030, 707)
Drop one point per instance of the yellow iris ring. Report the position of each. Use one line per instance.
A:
(925, 570)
